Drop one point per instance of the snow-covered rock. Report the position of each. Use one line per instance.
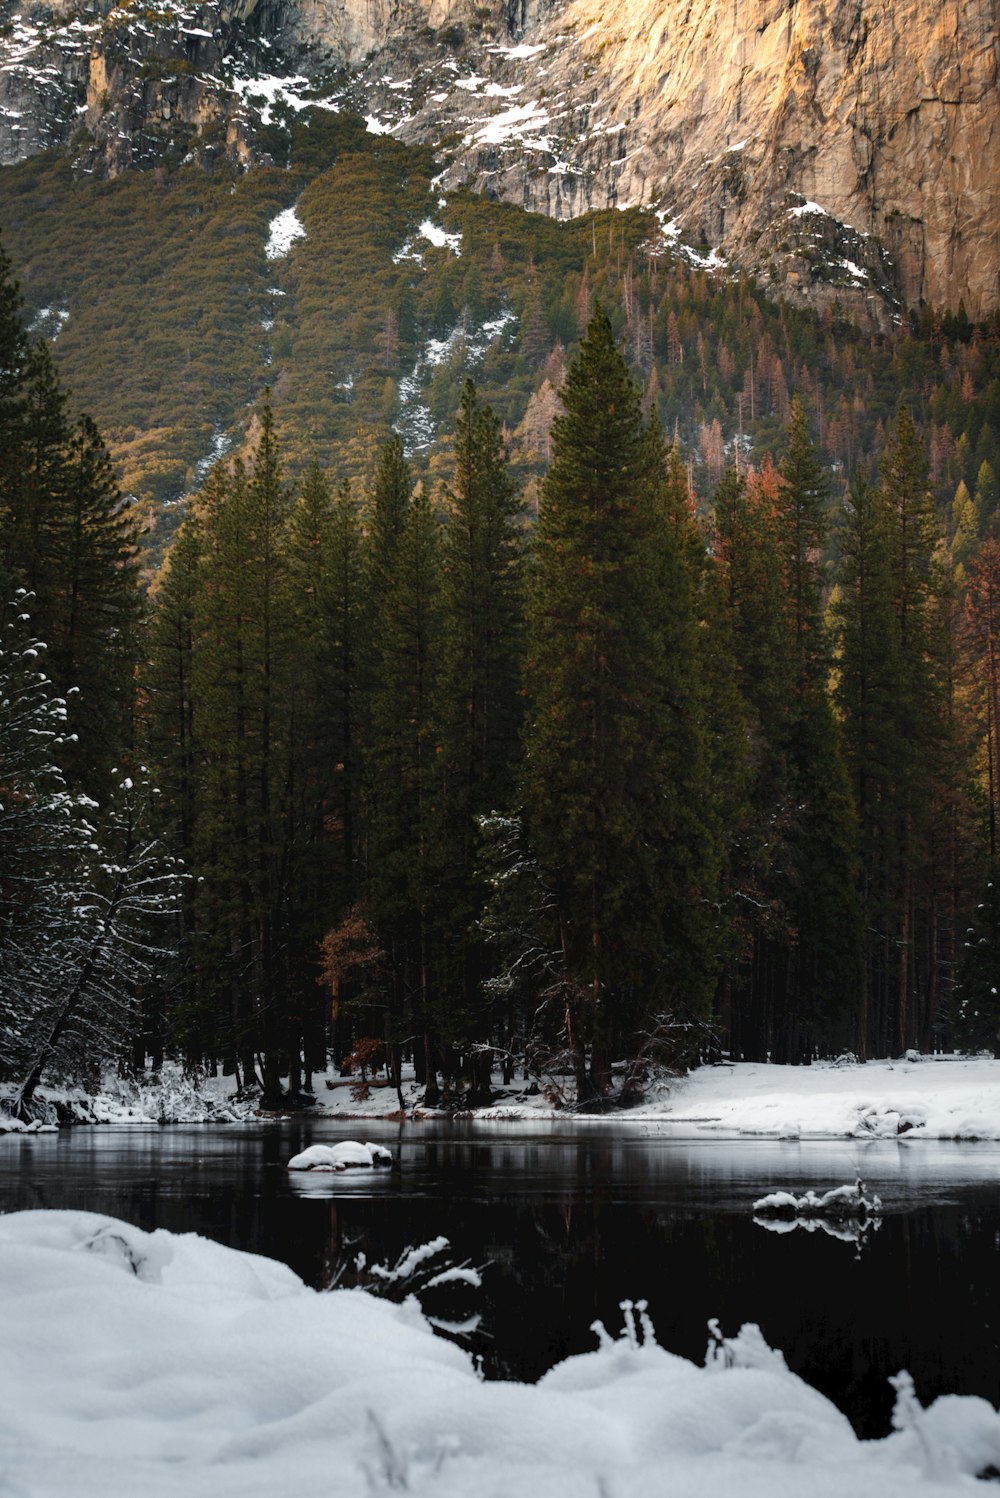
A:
(348, 1155)
(9, 1125)
(839, 1203)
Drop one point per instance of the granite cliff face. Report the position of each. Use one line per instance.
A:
(838, 149)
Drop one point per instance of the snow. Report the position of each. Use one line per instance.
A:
(15, 1126)
(513, 125)
(284, 229)
(671, 231)
(838, 1202)
(936, 1098)
(50, 321)
(808, 207)
(944, 1097)
(169, 1366)
(440, 237)
(522, 50)
(221, 444)
(263, 93)
(415, 423)
(349, 1154)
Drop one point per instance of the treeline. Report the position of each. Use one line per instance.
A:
(639, 781)
(622, 786)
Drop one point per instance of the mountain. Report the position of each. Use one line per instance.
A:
(837, 150)
(355, 203)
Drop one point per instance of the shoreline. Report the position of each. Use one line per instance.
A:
(945, 1097)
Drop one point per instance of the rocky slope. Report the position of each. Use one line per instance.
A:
(840, 149)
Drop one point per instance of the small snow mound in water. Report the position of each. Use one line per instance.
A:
(840, 1202)
(285, 228)
(348, 1155)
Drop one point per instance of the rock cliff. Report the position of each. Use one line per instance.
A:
(839, 149)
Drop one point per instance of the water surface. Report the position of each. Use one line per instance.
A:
(571, 1218)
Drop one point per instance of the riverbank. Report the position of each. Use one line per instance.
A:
(164, 1364)
(932, 1097)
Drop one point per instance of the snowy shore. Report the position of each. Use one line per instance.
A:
(168, 1366)
(932, 1097)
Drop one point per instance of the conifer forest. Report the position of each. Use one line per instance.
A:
(611, 738)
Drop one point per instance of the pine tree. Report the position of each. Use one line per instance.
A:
(43, 837)
(480, 705)
(893, 684)
(13, 358)
(98, 609)
(323, 600)
(239, 681)
(71, 541)
(976, 989)
(167, 712)
(122, 895)
(982, 639)
(803, 496)
(388, 503)
(403, 781)
(599, 789)
(794, 865)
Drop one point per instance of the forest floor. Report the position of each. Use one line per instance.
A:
(933, 1097)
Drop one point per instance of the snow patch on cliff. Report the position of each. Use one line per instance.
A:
(284, 229)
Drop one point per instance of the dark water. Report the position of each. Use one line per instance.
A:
(572, 1219)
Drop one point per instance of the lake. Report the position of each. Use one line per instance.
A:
(569, 1219)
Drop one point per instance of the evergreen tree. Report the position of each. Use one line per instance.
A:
(892, 692)
(323, 599)
(239, 682)
(43, 838)
(13, 358)
(600, 789)
(67, 536)
(803, 496)
(403, 783)
(113, 906)
(480, 705)
(97, 610)
(976, 989)
(794, 868)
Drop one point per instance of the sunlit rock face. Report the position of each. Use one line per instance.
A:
(731, 117)
(840, 151)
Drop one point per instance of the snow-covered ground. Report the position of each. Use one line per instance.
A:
(168, 1366)
(940, 1097)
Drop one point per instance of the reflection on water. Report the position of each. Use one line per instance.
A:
(572, 1219)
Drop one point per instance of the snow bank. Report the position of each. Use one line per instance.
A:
(945, 1097)
(166, 1365)
(347, 1155)
(10, 1125)
(931, 1098)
